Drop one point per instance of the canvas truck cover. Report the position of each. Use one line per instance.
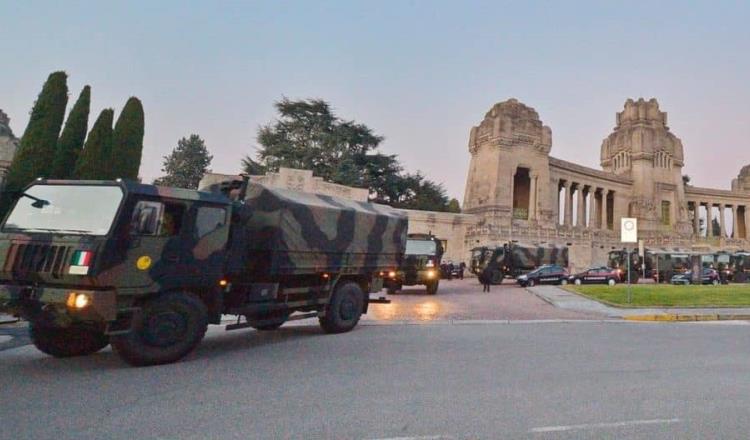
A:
(529, 256)
(285, 232)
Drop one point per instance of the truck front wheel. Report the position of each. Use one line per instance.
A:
(75, 340)
(168, 327)
(432, 287)
(344, 310)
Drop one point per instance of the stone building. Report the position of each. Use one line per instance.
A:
(8, 146)
(517, 191)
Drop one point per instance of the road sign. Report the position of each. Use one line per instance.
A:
(629, 230)
(641, 250)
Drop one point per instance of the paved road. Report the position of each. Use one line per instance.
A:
(452, 381)
(463, 299)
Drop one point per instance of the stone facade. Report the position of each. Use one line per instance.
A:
(8, 146)
(517, 191)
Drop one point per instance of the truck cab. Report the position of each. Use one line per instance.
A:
(421, 264)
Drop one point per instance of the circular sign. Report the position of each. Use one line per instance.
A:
(143, 262)
(628, 225)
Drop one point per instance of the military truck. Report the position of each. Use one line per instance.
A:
(147, 268)
(421, 264)
(514, 259)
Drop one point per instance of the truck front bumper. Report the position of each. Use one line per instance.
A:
(30, 302)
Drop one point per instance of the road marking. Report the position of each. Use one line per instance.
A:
(424, 437)
(603, 425)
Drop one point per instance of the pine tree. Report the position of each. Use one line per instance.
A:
(93, 162)
(39, 141)
(187, 163)
(127, 141)
(73, 134)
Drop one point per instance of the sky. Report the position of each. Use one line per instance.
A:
(419, 73)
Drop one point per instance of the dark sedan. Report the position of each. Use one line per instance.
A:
(547, 274)
(708, 276)
(597, 275)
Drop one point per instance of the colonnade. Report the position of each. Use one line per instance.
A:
(600, 210)
(739, 219)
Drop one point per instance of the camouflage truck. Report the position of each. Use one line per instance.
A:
(147, 268)
(421, 264)
(514, 259)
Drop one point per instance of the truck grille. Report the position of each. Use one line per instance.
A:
(41, 258)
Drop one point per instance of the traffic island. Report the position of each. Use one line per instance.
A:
(653, 303)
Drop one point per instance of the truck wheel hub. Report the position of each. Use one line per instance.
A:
(164, 329)
(346, 311)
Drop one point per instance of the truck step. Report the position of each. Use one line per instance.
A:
(271, 321)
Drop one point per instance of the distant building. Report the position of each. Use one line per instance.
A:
(8, 146)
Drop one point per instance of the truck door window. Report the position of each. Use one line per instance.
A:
(171, 221)
(208, 220)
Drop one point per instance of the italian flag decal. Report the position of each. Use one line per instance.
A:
(80, 263)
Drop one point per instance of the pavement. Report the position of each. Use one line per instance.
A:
(574, 380)
(566, 300)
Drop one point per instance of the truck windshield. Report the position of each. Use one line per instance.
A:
(420, 247)
(68, 209)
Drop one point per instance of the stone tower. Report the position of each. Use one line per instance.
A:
(509, 169)
(8, 146)
(642, 148)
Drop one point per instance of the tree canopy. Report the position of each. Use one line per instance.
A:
(39, 141)
(308, 135)
(73, 134)
(92, 163)
(127, 141)
(187, 163)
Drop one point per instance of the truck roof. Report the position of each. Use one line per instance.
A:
(134, 187)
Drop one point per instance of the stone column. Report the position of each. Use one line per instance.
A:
(696, 219)
(722, 228)
(735, 229)
(595, 207)
(709, 221)
(581, 211)
(568, 204)
(532, 196)
(605, 209)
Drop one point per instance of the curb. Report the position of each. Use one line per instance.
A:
(673, 317)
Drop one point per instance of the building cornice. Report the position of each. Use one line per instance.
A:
(590, 172)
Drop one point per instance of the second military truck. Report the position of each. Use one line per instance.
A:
(421, 264)
(514, 259)
(147, 268)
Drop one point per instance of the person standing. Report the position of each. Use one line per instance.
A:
(461, 269)
(484, 278)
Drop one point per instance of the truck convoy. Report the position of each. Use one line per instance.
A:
(513, 259)
(147, 268)
(421, 264)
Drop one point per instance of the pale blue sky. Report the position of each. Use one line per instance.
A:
(420, 73)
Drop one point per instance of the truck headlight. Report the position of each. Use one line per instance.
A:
(430, 274)
(78, 300)
(392, 274)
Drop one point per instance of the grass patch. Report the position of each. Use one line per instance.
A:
(665, 295)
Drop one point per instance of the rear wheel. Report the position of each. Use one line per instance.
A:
(530, 283)
(611, 282)
(344, 310)
(75, 340)
(168, 327)
(715, 282)
(577, 282)
(563, 282)
(432, 287)
(497, 277)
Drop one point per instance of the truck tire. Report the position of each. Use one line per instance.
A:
(497, 277)
(432, 287)
(344, 309)
(62, 342)
(277, 320)
(168, 327)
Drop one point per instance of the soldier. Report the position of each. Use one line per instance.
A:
(461, 269)
(486, 279)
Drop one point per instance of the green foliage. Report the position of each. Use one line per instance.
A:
(71, 140)
(127, 141)
(454, 206)
(94, 159)
(187, 163)
(661, 295)
(309, 136)
(39, 141)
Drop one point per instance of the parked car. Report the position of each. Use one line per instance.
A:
(547, 274)
(598, 275)
(708, 276)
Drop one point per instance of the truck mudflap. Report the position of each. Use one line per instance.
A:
(25, 301)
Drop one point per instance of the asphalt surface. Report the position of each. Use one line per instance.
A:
(464, 300)
(451, 381)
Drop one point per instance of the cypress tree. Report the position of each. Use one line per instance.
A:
(38, 143)
(127, 141)
(73, 134)
(93, 162)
